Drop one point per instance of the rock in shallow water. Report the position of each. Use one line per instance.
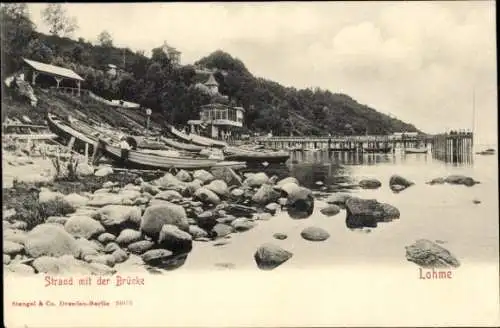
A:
(242, 224)
(368, 212)
(280, 236)
(174, 239)
(128, 236)
(370, 184)
(314, 234)
(140, 247)
(155, 255)
(428, 254)
(265, 195)
(300, 203)
(270, 256)
(330, 210)
(158, 215)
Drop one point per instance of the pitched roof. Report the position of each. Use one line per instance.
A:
(54, 70)
(211, 81)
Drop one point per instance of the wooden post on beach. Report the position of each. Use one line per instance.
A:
(71, 143)
(87, 152)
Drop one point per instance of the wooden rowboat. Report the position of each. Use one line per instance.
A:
(421, 150)
(195, 139)
(67, 133)
(181, 145)
(147, 160)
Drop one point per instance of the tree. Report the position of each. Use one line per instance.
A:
(38, 51)
(17, 31)
(105, 39)
(56, 17)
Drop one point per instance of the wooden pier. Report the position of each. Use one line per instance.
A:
(447, 147)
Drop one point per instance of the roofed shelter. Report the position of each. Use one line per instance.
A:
(57, 72)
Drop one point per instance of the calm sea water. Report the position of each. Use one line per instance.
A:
(440, 212)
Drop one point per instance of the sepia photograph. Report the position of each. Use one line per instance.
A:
(250, 163)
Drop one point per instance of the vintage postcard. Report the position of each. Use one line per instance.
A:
(265, 164)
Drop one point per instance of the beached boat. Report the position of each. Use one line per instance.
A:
(419, 150)
(67, 133)
(489, 151)
(149, 160)
(182, 145)
(195, 139)
(240, 154)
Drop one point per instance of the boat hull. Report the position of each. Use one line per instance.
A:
(416, 151)
(65, 133)
(139, 160)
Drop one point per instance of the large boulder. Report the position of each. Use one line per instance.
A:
(87, 248)
(370, 184)
(192, 187)
(106, 238)
(265, 195)
(400, 181)
(11, 248)
(368, 212)
(204, 176)
(50, 265)
(158, 215)
(221, 230)
(256, 180)
(169, 182)
(120, 215)
(149, 188)
(207, 196)
(184, 176)
(103, 172)
(155, 256)
(436, 181)
(83, 226)
(140, 247)
(270, 256)
(207, 220)
(168, 195)
(314, 234)
(76, 200)
(46, 196)
(84, 169)
(174, 239)
(105, 198)
(227, 175)
(428, 254)
(287, 180)
(128, 236)
(288, 188)
(242, 224)
(219, 187)
(460, 179)
(16, 236)
(300, 203)
(51, 240)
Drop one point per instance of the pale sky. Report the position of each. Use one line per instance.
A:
(419, 61)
